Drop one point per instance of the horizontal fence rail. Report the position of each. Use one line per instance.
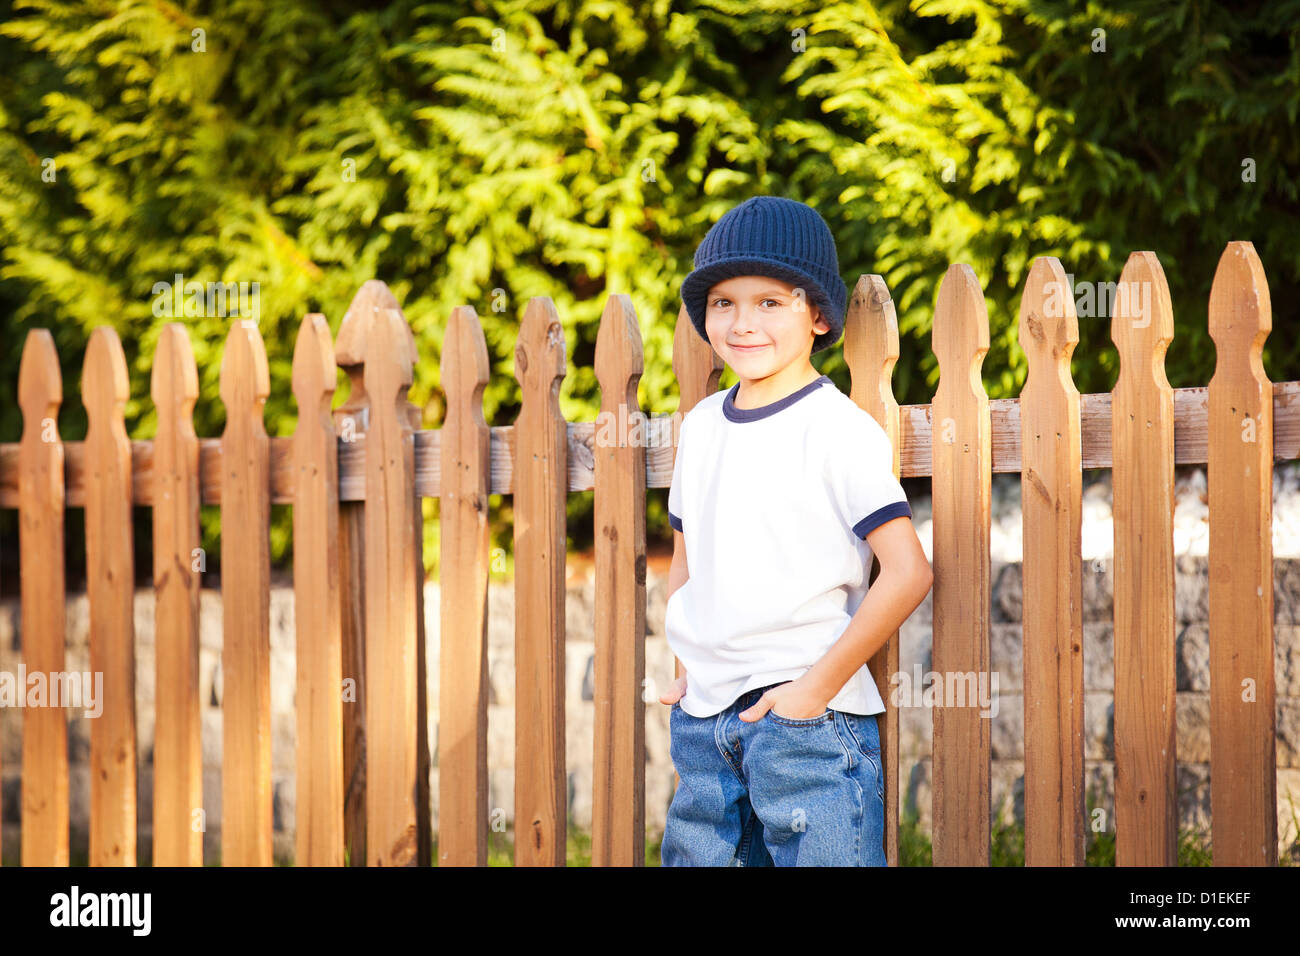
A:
(355, 475)
(1191, 447)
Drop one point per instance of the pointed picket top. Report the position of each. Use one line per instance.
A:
(371, 299)
(1142, 322)
(174, 381)
(388, 361)
(620, 361)
(960, 337)
(466, 368)
(245, 380)
(1049, 325)
(871, 349)
(313, 368)
(40, 383)
(539, 350)
(696, 366)
(105, 386)
(1241, 311)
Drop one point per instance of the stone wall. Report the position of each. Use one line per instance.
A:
(1193, 744)
(1192, 697)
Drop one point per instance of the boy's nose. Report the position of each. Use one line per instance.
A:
(744, 321)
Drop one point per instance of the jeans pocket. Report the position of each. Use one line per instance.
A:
(823, 718)
(867, 734)
(874, 758)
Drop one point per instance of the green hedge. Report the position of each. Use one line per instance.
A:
(486, 152)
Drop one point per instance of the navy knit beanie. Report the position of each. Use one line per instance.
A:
(776, 237)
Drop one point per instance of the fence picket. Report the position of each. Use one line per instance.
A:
(177, 560)
(246, 812)
(392, 568)
(871, 352)
(961, 494)
(110, 590)
(352, 419)
(466, 472)
(1243, 729)
(319, 651)
(698, 369)
(1051, 495)
(618, 768)
(1146, 812)
(40, 542)
(540, 496)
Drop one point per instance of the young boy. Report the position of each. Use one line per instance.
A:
(782, 490)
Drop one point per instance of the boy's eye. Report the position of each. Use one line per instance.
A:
(722, 303)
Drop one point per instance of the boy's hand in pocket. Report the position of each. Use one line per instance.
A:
(796, 701)
(676, 691)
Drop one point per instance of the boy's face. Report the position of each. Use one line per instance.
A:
(760, 326)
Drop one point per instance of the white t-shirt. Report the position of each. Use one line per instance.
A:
(775, 504)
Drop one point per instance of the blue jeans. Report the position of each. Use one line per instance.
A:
(775, 792)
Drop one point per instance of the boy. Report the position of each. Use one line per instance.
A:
(782, 490)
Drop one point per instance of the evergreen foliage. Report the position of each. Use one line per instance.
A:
(487, 151)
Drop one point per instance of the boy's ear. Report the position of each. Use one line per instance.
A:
(817, 317)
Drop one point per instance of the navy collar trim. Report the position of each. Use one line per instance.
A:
(734, 414)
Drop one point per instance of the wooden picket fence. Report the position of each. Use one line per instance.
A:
(355, 476)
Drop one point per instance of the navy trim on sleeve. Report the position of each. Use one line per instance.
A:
(675, 521)
(895, 509)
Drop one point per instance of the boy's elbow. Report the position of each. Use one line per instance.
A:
(922, 574)
(917, 572)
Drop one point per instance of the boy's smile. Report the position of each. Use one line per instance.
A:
(764, 329)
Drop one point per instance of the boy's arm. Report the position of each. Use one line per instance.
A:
(904, 580)
(678, 573)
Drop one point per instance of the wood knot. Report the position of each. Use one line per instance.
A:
(402, 852)
(1035, 326)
